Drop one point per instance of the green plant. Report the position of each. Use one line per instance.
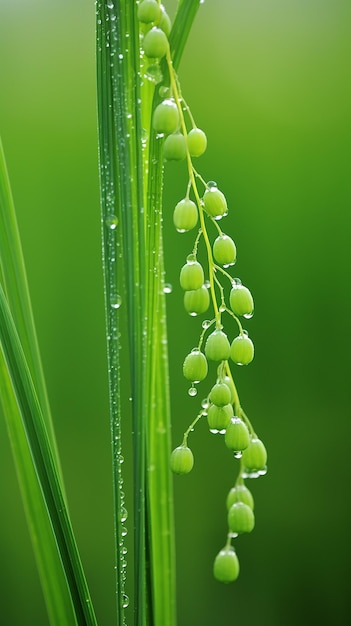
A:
(133, 114)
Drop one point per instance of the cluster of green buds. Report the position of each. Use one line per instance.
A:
(208, 286)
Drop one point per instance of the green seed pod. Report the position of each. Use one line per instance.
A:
(148, 11)
(155, 43)
(218, 417)
(255, 456)
(224, 250)
(182, 460)
(185, 214)
(195, 366)
(174, 147)
(226, 566)
(197, 142)
(217, 346)
(215, 203)
(241, 301)
(242, 350)
(241, 518)
(228, 381)
(165, 21)
(220, 394)
(166, 117)
(237, 436)
(240, 493)
(197, 301)
(191, 276)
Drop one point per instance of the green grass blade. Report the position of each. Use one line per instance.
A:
(118, 195)
(14, 281)
(53, 580)
(183, 22)
(160, 487)
(44, 463)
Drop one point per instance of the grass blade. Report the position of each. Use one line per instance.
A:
(53, 580)
(44, 463)
(14, 281)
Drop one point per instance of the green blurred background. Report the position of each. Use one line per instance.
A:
(269, 81)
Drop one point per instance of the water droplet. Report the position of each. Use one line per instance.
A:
(212, 184)
(238, 454)
(236, 282)
(124, 531)
(124, 514)
(191, 258)
(226, 265)
(263, 471)
(219, 217)
(121, 459)
(167, 288)
(125, 601)
(248, 316)
(112, 222)
(192, 391)
(233, 535)
(222, 308)
(206, 324)
(144, 136)
(207, 284)
(222, 432)
(214, 431)
(248, 473)
(116, 301)
(154, 74)
(205, 403)
(124, 550)
(164, 92)
(195, 349)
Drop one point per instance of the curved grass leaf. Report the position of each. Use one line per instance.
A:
(43, 462)
(52, 577)
(14, 281)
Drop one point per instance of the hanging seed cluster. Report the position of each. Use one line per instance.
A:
(208, 287)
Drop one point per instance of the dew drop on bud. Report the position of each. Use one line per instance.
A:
(211, 184)
(192, 391)
(191, 258)
(248, 316)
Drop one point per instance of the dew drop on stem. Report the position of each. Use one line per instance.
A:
(116, 301)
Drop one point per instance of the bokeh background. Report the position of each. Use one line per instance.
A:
(269, 81)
